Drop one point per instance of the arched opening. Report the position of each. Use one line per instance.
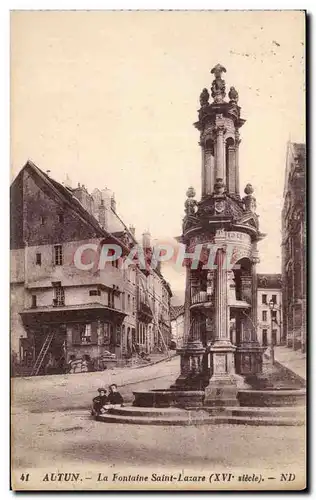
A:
(242, 268)
(209, 145)
(243, 290)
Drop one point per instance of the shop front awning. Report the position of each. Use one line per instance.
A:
(71, 313)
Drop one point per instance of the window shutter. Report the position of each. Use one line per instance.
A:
(76, 338)
(94, 332)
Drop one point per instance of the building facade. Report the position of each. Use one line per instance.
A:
(294, 248)
(269, 321)
(61, 310)
(177, 326)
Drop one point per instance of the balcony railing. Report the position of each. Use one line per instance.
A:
(200, 298)
(145, 308)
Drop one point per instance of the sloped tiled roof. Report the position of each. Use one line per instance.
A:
(67, 194)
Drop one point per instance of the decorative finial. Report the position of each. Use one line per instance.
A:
(218, 70)
(249, 200)
(190, 204)
(204, 98)
(233, 95)
(218, 85)
(248, 189)
(190, 192)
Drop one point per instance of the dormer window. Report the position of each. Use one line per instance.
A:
(42, 220)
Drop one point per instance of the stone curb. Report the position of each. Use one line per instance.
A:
(213, 420)
(281, 365)
(154, 362)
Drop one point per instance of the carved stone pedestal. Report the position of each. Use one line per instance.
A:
(249, 365)
(225, 383)
(191, 364)
(249, 359)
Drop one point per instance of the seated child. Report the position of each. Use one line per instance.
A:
(99, 401)
(114, 397)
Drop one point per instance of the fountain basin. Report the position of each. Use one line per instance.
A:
(272, 397)
(164, 398)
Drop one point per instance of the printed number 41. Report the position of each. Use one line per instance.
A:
(24, 477)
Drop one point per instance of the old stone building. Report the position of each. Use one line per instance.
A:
(294, 247)
(177, 326)
(269, 309)
(60, 309)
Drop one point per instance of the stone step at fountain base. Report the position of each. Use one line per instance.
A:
(207, 416)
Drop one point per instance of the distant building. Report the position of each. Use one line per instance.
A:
(269, 288)
(294, 247)
(177, 325)
(64, 311)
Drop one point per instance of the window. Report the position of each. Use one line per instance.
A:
(264, 298)
(93, 293)
(264, 315)
(264, 337)
(42, 220)
(61, 218)
(141, 334)
(111, 299)
(274, 315)
(34, 304)
(274, 299)
(38, 259)
(274, 337)
(59, 299)
(85, 334)
(58, 255)
(129, 303)
(133, 306)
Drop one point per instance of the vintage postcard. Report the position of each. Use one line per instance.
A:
(158, 226)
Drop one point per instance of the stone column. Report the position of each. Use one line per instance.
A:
(203, 171)
(209, 171)
(187, 303)
(220, 156)
(191, 354)
(231, 162)
(237, 142)
(246, 318)
(249, 352)
(222, 388)
(254, 301)
(221, 310)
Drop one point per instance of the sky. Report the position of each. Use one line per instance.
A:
(110, 98)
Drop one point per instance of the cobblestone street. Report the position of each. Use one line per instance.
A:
(46, 433)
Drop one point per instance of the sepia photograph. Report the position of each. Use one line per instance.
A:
(158, 281)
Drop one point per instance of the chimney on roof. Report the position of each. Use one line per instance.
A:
(132, 230)
(67, 182)
(146, 239)
(102, 214)
(48, 172)
(113, 203)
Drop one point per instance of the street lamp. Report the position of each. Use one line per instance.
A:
(272, 308)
